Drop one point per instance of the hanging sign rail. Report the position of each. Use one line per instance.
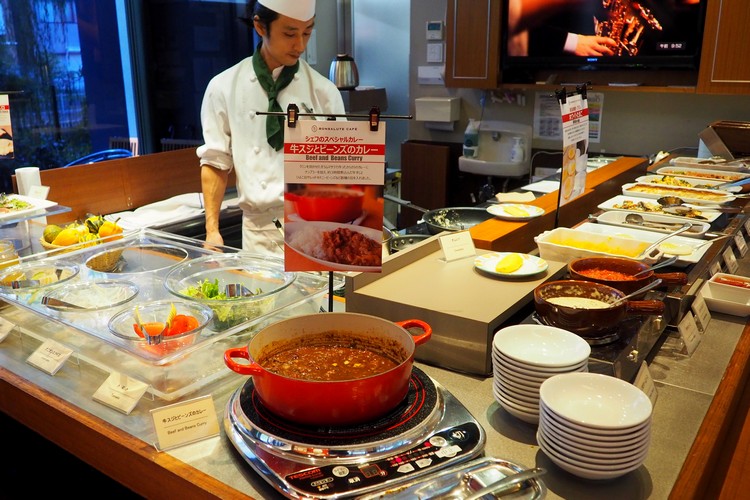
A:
(292, 115)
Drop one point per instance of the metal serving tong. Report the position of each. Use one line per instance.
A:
(237, 290)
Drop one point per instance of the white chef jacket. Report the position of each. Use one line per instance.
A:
(235, 138)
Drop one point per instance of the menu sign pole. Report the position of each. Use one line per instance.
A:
(575, 130)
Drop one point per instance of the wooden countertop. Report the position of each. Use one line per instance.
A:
(601, 185)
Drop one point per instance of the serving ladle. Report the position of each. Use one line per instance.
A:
(638, 220)
(641, 290)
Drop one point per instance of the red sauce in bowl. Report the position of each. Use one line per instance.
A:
(606, 274)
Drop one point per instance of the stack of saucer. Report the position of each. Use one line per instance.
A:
(524, 356)
(594, 426)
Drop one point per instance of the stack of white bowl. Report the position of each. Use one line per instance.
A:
(594, 426)
(524, 356)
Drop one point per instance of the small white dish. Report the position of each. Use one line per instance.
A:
(515, 211)
(726, 299)
(542, 346)
(596, 400)
(531, 266)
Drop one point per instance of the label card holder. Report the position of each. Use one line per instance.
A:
(730, 261)
(49, 357)
(186, 422)
(701, 313)
(645, 382)
(457, 245)
(739, 239)
(715, 267)
(38, 192)
(120, 392)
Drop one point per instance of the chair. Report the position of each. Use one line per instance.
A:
(172, 144)
(129, 143)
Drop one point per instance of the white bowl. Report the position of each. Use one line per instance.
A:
(621, 432)
(588, 443)
(534, 369)
(596, 400)
(622, 442)
(517, 396)
(541, 346)
(594, 464)
(516, 383)
(727, 299)
(598, 473)
(595, 455)
(522, 376)
(526, 416)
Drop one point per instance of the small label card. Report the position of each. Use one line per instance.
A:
(689, 333)
(38, 192)
(49, 357)
(120, 392)
(730, 261)
(715, 267)
(457, 245)
(185, 422)
(5, 328)
(645, 382)
(701, 312)
(747, 226)
(739, 239)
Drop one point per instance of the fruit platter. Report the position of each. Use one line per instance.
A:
(129, 305)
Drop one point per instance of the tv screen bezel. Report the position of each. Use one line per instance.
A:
(599, 63)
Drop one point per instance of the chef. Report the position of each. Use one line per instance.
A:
(237, 138)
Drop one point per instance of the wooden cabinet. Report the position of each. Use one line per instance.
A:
(473, 44)
(725, 58)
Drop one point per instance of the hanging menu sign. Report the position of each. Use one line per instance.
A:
(575, 129)
(6, 131)
(334, 173)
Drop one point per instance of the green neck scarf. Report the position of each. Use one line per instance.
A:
(274, 124)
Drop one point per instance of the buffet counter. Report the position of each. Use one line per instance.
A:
(698, 397)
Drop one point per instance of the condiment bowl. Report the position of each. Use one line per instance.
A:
(35, 276)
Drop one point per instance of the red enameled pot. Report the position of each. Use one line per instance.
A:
(332, 204)
(332, 402)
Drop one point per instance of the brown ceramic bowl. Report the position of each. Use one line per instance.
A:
(587, 308)
(620, 273)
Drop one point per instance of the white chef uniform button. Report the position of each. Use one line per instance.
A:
(263, 184)
(256, 150)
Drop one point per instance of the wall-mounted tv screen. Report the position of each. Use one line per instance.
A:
(601, 34)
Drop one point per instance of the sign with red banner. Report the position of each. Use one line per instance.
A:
(575, 130)
(334, 173)
(6, 131)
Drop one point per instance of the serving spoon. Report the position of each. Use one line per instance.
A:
(646, 288)
(676, 201)
(664, 263)
(638, 220)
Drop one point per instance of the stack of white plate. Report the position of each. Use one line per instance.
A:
(594, 426)
(524, 356)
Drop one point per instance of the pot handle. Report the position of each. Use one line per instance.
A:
(415, 323)
(672, 278)
(241, 368)
(645, 306)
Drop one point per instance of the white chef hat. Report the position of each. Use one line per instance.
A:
(302, 10)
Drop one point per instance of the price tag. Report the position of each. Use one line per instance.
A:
(120, 392)
(49, 357)
(715, 267)
(645, 382)
(747, 226)
(185, 422)
(5, 328)
(457, 245)
(739, 239)
(689, 333)
(701, 312)
(730, 261)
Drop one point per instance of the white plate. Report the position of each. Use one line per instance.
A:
(617, 218)
(502, 210)
(36, 205)
(699, 247)
(541, 348)
(531, 264)
(613, 203)
(702, 173)
(688, 181)
(740, 165)
(292, 228)
(688, 195)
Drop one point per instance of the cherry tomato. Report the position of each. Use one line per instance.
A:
(182, 323)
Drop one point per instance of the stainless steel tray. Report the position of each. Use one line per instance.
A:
(170, 375)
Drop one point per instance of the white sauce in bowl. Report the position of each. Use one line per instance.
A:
(578, 302)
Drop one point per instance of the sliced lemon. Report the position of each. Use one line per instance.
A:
(510, 263)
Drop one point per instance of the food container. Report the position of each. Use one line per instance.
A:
(728, 294)
(90, 298)
(332, 402)
(122, 324)
(580, 316)
(564, 244)
(332, 204)
(620, 273)
(36, 276)
(204, 280)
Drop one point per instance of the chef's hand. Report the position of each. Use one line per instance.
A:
(214, 238)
